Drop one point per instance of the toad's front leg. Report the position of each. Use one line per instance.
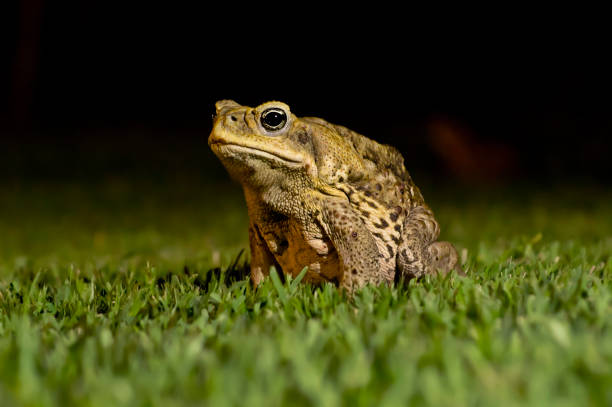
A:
(261, 257)
(358, 254)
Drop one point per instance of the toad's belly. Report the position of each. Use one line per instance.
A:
(300, 254)
(293, 249)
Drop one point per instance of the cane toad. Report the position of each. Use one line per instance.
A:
(323, 196)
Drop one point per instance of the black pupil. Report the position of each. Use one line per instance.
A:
(274, 118)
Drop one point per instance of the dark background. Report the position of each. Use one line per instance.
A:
(115, 82)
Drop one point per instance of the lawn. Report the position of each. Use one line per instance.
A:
(132, 290)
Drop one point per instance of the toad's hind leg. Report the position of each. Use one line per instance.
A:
(419, 253)
(443, 257)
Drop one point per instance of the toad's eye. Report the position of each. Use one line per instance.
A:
(273, 119)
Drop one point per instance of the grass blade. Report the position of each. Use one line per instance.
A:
(278, 285)
(294, 284)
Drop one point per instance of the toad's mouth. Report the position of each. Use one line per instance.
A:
(250, 150)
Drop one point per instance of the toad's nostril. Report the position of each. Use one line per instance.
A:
(233, 118)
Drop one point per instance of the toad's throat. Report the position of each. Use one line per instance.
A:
(251, 150)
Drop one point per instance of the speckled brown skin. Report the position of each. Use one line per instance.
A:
(323, 196)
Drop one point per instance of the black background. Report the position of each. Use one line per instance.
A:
(520, 103)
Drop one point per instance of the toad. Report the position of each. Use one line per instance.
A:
(324, 197)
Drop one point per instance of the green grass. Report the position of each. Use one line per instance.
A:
(123, 292)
